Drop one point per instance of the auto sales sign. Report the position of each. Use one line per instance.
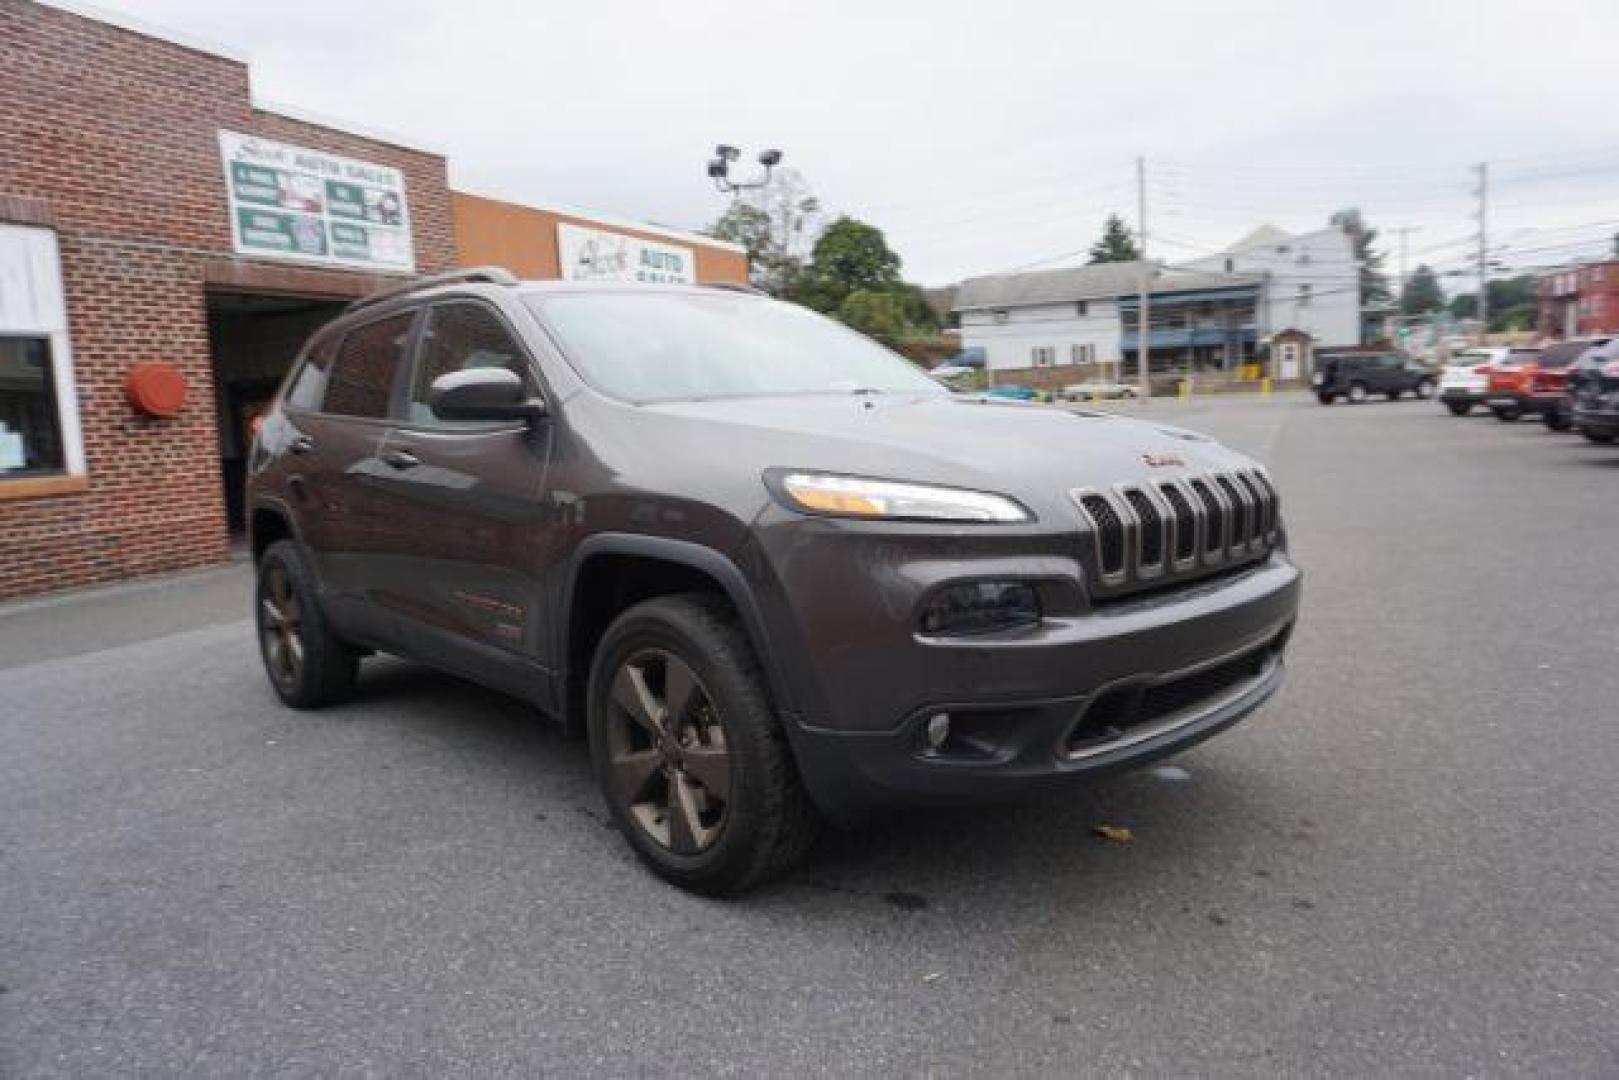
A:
(290, 202)
(599, 255)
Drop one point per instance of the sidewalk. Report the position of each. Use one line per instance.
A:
(102, 617)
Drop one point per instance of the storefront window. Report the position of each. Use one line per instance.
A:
(30, 430)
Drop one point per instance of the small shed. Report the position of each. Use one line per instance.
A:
(1292, 355)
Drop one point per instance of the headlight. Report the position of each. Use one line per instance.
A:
(852, 496)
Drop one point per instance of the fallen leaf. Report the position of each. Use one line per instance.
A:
(1114, 834)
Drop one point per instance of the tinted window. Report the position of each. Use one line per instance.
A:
(654, 346)
(458, 337)
(362, 377)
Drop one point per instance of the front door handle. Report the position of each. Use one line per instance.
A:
(301, 445)
(401, 459)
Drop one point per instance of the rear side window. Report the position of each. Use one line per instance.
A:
(367, 364)
(459, 337)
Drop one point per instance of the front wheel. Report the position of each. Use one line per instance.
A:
(1425, 389)
(1324, 398)
(1555, 420)
(689, 751)
(1459, 408)
(1357, 393)
(308, 664)
(1508, 414)
(1597, 436)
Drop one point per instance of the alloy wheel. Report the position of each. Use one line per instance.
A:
(670, 766)
(281, 626)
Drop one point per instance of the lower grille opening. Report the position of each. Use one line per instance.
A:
(1123, 709)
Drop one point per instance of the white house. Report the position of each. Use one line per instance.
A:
(1048, 318)
(1087, 315)
(1309, 281)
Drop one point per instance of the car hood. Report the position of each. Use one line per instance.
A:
(1034, 453)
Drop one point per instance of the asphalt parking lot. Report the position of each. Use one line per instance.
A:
(1407, 863)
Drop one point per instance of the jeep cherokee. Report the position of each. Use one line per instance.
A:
(773, 571)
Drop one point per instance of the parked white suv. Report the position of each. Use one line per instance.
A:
(1465, 380)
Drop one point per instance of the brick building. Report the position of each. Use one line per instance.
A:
(157, 226)
(1578, 301)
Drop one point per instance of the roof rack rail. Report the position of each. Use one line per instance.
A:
(487, 275)
(735, 286)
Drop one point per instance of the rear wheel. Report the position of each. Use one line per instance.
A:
(689, 752)
(1597, 436)
(1507, 414)
(308, 664)
(1425, 389)
(1325, 398)
(1555, 420)
(1357, 393)
(1459, 408)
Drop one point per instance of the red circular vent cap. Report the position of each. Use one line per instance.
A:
(157, 389)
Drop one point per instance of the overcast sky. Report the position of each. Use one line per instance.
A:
(983, 137)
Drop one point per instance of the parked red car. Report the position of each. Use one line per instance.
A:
(1549, 384)
(1508, 392)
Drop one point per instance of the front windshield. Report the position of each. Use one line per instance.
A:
(663, 346)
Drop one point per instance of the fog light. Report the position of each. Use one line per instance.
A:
(938, 730)
(979, 607)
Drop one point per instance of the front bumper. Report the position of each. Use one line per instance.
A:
(1082, 694)
(1602, 418)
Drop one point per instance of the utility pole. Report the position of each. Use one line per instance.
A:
(1483, 170)
(1404, 231)
(1143, 328)
(1399, 291)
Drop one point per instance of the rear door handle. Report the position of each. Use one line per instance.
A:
(302, 445)
(401, 459)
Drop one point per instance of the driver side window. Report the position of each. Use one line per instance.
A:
(459, 337)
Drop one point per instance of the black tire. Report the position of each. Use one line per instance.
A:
(1325, 398)
(1459, 408)
(1556, 420)
(1358, 393)
(1425, 390)
(1393, 395)
(307, 663)
(765, 822)
(1603, 437)
(1509, 414)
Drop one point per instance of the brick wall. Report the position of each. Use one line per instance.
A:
(118, 134)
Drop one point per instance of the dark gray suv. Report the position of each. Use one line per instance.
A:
(773, 572)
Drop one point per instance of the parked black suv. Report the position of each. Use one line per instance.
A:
(1357, 376)
(1593, 392)
(772, 570)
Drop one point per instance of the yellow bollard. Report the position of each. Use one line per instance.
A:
(1264, 387)
(1186, 390)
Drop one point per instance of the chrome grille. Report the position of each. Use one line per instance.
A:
(1177, 528)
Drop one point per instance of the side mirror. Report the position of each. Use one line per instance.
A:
(483, 394)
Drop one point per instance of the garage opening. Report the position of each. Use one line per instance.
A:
(252, 339)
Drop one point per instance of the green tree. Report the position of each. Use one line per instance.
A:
(1513, 303)
(849, 256)
(1118, 243)
(774, 224)
(878, 312)
(1422, 293)
(1374, 284)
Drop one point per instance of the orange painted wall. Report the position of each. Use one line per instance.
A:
(523, 239)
